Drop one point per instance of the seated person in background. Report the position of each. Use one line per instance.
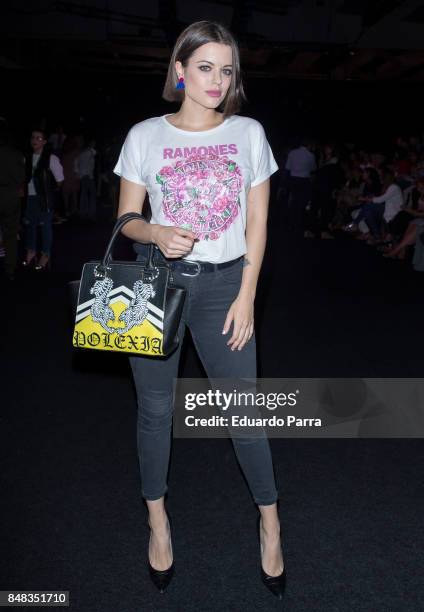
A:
(381, 209)
(399, 224)
(371, 187)
(411, 219)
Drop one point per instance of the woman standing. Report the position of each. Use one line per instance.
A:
(206, 171)
(44, 174)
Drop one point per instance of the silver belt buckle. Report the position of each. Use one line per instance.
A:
(194, 263)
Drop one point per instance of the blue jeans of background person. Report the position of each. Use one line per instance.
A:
(374, 218)
(209, 296)
(35, 216)
(372, 214)
(87, 202)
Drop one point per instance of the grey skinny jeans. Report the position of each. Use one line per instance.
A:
(209, 296)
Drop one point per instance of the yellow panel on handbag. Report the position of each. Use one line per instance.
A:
(147, 338)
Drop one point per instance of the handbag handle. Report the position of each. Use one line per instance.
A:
(107, 258)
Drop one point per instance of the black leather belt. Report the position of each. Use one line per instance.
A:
(193, 268)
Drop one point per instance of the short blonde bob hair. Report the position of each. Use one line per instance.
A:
(194, 36)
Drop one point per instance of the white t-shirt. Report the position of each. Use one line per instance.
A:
(200, 180)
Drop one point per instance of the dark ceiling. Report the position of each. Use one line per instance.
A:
(355, 40)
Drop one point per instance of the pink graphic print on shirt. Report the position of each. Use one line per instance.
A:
(202, 194)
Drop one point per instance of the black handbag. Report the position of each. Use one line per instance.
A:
(127, 306)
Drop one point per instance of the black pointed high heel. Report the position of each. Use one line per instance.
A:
(161, 578)
(276, 584)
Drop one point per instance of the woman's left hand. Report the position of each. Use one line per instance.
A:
(241, 313)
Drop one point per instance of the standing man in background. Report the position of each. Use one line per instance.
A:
(12, 177)
(84, 166)
(57, 140)
(300, 165)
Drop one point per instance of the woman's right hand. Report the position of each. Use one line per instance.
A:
(173, 241)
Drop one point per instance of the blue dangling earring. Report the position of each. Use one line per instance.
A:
(180, 84)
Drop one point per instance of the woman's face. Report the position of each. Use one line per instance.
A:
(208, 74)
